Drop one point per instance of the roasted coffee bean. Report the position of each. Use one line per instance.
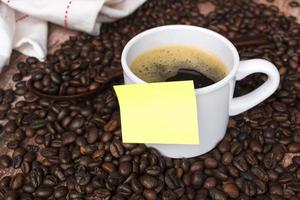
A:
(294, 147)
(65, 156)
(17, 181)
(82, 177)
(273, 175)
(260, 173)
(13, 144)
(98, 181)
(196, 166)
(55, 77)
(168, 194)
(87, 150)
(81, 141)
(39, 139)
(60, 192)
(76, 195)
(210, 163)
(171, 180)
(37, 124)
(125, 168)
(255, 146)
(37, 75)
(36, 176)
(29, 131)
(197, 179)
(231, 190)
(279, 152)
(114, 178)
(108, 167)
(5, 161)
(261, 187)
(236, 148)
(4, 107)
(10, 127)
(248, 176)
(19, 152)
(56, 143)
(92, 135)
(66, 121)
(136, 186)
(224, 146)
(153, 170)
(25, 167)
(285, 177)
(58, 172)
(124, 190)
(68, 138)
(50, 180)
(20, 135)
(86, 161)
(294, 4)
(28, 188)
(111, 125)
(17, 161)
(276, 189)
(44, 192)
(29, 156)
(17, 77)
(227, 158)
(269, 160)
(251, 158)
(116, 149)
(217, 194)
(240, 163)
(210, 183)
(48, 152)
(249, 188)
(76, 123)
(220, 174)
(101, 193)
(150, 194)
(31, 60)
(20, 91)
(148, 181)
(139, 149)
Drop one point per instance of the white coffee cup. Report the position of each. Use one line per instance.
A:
(215, 103)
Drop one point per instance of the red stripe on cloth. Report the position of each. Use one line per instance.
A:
(66, 14)
(21, 18)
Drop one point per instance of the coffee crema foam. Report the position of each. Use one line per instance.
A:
(162, 63)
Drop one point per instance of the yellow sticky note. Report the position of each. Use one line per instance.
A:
(161, 113)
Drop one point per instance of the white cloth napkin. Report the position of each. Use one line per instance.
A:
(23, 23)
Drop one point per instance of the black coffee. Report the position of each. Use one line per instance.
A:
(198, 78)
(177, 63)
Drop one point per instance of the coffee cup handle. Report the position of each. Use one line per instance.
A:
(247, 67)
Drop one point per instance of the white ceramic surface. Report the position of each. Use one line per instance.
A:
(215, 103)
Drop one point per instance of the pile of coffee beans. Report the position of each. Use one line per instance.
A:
(73, 149)
(75, 69)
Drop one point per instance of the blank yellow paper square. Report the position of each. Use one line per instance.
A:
(162, 113)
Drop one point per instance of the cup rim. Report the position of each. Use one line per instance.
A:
(218, 36)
